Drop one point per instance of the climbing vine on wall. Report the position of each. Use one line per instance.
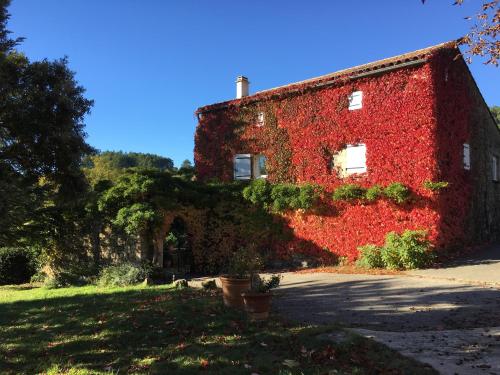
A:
(306, 125)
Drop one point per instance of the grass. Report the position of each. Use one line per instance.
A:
(160, 330)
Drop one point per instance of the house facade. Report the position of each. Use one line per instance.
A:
(413, 118)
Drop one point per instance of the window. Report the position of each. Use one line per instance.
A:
(356, 100)
(494, 168)
(260, 119)
(259, 166)
(243, 167)
(350, 160)
(466, 156)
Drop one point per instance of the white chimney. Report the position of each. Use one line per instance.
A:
(241, 87)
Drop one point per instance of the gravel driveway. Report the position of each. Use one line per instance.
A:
(452, 326)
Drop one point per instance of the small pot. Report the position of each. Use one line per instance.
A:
(232, 289)
(257, 305)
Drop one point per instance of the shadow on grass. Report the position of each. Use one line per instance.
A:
(159, 330)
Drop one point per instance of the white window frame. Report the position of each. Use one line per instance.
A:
(466, 156)
(238, 176)
(256, 166)
(494, 168)
(355, 100)
(261, 118)
(352, 166)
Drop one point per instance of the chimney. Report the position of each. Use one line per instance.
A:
(241, 87)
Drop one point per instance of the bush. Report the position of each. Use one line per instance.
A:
(435, 186)
(309, 195)
(63, 279)
(406, 251)
(122, 274)
(17, 265)
(370, 257)
(412, 247)
(374, 193)
(258, 192)
(285, 197)
(397, 192)
(348, 192)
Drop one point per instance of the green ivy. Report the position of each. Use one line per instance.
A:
(373, 193)
(397, 192)
(348, 192)
(282, 197)
(435, 186)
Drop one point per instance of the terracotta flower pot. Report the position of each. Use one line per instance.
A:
(232, 289)
(257, 305)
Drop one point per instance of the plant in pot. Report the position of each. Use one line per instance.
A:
(258, 300)
(242, 265)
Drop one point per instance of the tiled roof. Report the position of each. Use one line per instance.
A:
(354, 72)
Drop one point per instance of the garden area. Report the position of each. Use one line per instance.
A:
(162, 329)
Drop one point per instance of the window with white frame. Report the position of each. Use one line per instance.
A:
(466, 156)
(243, 167)
(259, 166)
(494, 168)
(355, 100)
(260, 119)
(350, 160)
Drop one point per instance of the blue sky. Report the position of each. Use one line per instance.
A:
(149, 64)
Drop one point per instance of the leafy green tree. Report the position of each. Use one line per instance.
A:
(42, 143)
(110, 165)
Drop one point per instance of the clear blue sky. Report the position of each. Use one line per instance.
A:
(149, 64)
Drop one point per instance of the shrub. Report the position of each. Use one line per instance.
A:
(397, 192)
(258, 192)
(62, 279)
(122, 274)
(309, 195)
(413, 250)
(285, 197)
(16, 265)
(374, 193)
(435, 186)
(244, 262)
(370, 257)
(348, 192)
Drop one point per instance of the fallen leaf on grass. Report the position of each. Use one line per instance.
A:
(204, 363)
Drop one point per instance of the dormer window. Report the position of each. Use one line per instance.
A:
(260, 119)
(356, 100)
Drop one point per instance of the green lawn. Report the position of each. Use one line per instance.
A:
(92, 330)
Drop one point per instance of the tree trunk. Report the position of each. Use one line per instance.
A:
(158, 251)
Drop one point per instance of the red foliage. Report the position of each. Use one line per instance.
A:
(407, 127)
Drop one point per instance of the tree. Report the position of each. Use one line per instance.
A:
(186, 170)
(482, 39)
(495, 111)
(42, 143)
(110, 165)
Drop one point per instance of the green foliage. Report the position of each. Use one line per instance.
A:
(412, 247)
(348, 192)
(370, 257)
(244, 262)
(406, 251)
(136, 218)
(123, 274)
(495, 111)
(435, 186)
(373, 193)
(282, 197)
(17, 265)
(397, 192)
(265, 285)
(110, 165)
(258, 192)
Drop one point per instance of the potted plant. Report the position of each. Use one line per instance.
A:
(241, 267)
(258, 300)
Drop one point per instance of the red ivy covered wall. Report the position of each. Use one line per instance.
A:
(398, 123)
